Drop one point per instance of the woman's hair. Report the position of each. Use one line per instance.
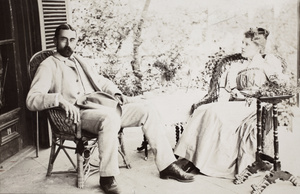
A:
(258, 36)
(63, 27)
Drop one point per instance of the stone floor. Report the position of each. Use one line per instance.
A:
(26, 173)
(29, 174)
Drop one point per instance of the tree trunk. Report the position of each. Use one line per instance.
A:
(137, 42)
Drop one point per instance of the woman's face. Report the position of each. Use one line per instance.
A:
(249, 48)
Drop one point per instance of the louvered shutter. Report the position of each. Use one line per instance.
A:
(52, 14)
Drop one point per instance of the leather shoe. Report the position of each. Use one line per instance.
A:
(175, 172)
(189, 167)
(109, 185)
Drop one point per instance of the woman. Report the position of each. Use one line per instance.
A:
(220, 138)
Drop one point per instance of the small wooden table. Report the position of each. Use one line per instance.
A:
(262, 160)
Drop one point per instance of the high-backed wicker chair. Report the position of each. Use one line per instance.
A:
(63, 130)
(219, 66)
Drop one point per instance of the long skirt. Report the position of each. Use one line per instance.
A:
(220, 138)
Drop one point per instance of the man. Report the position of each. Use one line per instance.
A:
(62, 79)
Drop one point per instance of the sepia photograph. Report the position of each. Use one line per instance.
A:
(149, 96)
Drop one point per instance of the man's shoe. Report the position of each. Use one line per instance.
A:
(109, 185)
(175, 172)
(189, 167)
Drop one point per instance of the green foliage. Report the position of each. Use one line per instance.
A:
(276, 87)
(210, 65)
(129, 84)
(107, 31)
(164, 69)
(103, 26)
(169, 63)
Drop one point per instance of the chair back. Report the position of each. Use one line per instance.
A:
(36, 60)
(219, 67)
(59, 123)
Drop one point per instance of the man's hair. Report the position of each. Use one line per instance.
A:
(63, 27)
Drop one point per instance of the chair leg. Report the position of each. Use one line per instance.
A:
(177, 134)
(178, 131)
(144, 146)
(122, 149)
(56, 147)
(69, 157)
(37, 148)
(80, 176)
(52, 157)
(85, 169)
(88, 168)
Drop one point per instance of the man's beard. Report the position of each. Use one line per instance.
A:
(65, 51)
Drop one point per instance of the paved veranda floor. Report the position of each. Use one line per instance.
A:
(29, 174)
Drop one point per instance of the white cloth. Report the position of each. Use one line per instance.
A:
(106, 123)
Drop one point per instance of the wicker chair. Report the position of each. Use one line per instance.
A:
(63, 130)
(219, 66)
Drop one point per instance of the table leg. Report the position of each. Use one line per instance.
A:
(259, 164)
(277, 173)
(271, 178)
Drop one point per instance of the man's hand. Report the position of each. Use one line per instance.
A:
(119, 97)
(72, 111)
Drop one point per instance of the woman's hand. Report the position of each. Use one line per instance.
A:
(193, 108)
(236, 94)
(72, 111)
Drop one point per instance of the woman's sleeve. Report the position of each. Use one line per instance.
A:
(231, 76)
(228, 82)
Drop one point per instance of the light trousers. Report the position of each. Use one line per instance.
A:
(107, 123)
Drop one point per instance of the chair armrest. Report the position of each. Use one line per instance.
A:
(208, 98)
(62, 124)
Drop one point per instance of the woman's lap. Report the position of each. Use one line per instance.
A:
(210, 139)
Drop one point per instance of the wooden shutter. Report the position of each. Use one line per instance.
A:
(52, 14)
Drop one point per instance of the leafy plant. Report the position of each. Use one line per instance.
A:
(169, 63)
(276, 87)
(129, 84)
(102, 26)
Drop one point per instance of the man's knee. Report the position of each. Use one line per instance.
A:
(111, 119)
(147, 109)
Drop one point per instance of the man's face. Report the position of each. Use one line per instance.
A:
(66, 42)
